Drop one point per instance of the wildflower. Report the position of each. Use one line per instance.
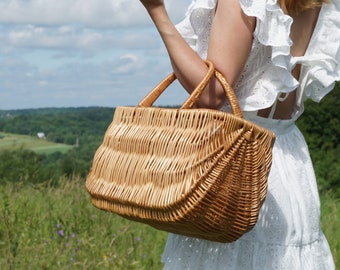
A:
(73, 235)
(58, 226)
(137, 239)
(61, 233)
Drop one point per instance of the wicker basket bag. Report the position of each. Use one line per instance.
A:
(196, 172)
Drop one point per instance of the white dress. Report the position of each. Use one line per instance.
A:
(287, 234)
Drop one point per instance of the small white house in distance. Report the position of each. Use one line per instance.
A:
(41, 135)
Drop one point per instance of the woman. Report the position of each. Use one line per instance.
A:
(276, 55)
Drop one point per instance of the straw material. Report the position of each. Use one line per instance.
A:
(196, 172)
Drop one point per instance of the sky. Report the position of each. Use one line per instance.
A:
(82, 53)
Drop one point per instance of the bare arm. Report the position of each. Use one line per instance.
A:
(229, 46)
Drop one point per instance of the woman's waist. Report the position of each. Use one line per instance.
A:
(278, 126)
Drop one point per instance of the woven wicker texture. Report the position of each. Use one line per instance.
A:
(196, 172)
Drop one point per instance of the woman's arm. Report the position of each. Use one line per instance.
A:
(229, 46)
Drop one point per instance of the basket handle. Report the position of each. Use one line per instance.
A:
(194, 96)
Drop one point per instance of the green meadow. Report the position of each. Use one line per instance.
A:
(48, 227)
(9, 141)
(45, 227)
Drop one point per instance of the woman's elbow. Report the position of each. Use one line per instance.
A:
(211, 100)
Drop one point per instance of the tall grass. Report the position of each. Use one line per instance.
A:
(45, 227)
(330, 223)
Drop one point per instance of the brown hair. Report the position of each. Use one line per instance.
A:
(297, 6)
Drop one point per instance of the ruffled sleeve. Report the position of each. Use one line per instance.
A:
(195, 28)
(321, 63)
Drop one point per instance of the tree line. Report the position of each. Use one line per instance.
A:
(84, 126)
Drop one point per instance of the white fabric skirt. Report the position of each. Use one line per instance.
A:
(287, 234)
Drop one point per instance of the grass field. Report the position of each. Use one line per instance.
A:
(44, 227)
(40, 146)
